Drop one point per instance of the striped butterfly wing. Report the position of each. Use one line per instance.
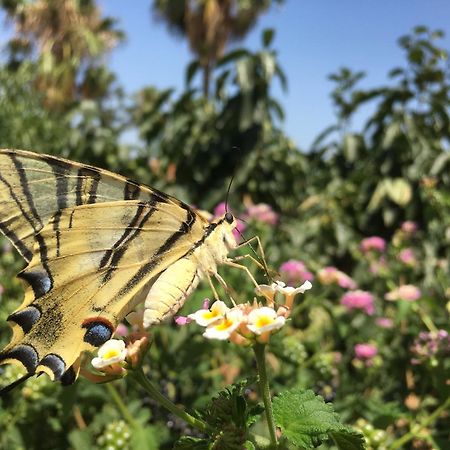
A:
(89, 262)
(35, 187)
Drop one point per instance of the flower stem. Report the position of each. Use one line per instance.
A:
(153, 392)
(259, 350)
(120, 404)
(423, 424)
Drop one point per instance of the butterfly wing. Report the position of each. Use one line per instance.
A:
(105, 256)
(35, 187)
(94, 243)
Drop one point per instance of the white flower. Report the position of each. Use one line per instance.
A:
(267, 291)
(264, 319)
(205, 317)
(223, 328)
(289, 290)
(112, 351)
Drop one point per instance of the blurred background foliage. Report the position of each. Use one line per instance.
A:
(57, 96)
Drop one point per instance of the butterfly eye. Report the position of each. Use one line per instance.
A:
(229, 218)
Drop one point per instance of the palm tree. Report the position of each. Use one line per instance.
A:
(68, 36)
(210, 25)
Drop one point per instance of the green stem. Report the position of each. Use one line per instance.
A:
(426, 319)
(424, 423)
(259, 350)
(151, 390)
(120, 404)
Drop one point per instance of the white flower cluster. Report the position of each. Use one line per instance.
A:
(247, 322)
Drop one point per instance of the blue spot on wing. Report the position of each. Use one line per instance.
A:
(39, 281)
(97, 333)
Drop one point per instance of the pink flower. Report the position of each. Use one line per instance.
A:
(220, 209)
(378, 265)
(263, 212)
(359, 300)
(365, 351)
(409, 227)
(294, 271)
(407, 292)
(331, 275)
(373, 243)
(384, 322)
(239, 230)
(407, 257)
(182, 320)
(121, 330)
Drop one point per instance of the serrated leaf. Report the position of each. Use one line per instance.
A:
(348, 439)
(304, 418)
(253, 414)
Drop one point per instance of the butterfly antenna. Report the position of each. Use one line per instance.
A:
(228, 193)
(16, 383)
(231, 182)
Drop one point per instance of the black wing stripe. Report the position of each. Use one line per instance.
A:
(131, 190)
(62, 187)
(185, 227)
(129, 230)
(87, 177)
(114, 255)
(29, 197)
(25, 251)
(26, 191)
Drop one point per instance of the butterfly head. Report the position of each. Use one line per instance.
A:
(225, 227)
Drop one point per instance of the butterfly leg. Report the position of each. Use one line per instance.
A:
(211, 284)
(258, 244)
(231, 263)
(262, 264)
(225, 286)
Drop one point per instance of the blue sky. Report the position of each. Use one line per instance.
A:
(314, 38)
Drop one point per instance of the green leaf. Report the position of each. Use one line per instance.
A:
(306, 420)
(348, 439)
(399, 190)
(191, 71)
(267, 36)
(234, 55)
(80, 439)
(144, 438)
(191, 443)
(351, 146)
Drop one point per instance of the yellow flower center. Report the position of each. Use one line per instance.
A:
(109, 354)
(210, 315)
(262, 321)
(224, 324)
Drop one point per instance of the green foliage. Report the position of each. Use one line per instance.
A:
(354, 183)
(306, 420)
(201, 143)
(229, 417)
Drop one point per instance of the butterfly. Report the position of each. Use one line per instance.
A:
(95, 244)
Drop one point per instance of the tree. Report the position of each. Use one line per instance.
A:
(69, 37)
(210, 25)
